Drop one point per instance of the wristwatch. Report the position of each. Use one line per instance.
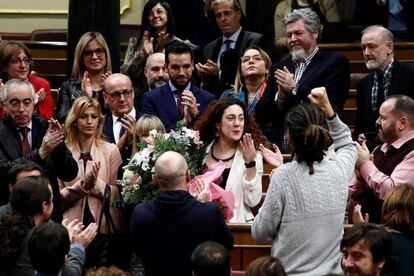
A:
(251, 164)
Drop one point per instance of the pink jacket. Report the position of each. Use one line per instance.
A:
(73, 196)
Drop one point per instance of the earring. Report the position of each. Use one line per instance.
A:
(217, 134)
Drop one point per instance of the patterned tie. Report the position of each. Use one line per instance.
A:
(180, 106)
(25, 141)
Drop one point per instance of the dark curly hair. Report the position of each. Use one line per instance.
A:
(26, 201)
(206, 124)
(309, 133)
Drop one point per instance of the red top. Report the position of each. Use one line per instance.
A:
(45, 108)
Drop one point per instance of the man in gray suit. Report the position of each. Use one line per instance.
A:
(221, 56)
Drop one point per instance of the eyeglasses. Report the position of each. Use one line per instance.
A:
(117, 95)
(89, 53)
(25, 61)
(248, 58)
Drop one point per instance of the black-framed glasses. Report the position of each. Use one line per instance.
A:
(116, 95)
(18, 61)
(89, 53)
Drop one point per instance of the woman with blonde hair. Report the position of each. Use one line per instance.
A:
(91, 65)
(142, 128)
(98, 163)
(251, 77)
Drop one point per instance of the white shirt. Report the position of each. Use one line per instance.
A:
(117, 124)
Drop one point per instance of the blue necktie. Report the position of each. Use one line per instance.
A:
(227, 43)
(122, 130)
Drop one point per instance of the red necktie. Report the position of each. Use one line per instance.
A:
(25, 141)
(180, 102)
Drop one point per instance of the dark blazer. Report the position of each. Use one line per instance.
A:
(161, 103)
(108, 132)
(229, 60)
(166, 230)
(402, 82)
(325, 69)
(59, 163)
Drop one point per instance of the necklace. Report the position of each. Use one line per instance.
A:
(218, 159)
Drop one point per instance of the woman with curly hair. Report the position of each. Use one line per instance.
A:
(233, 138)
(304, 209)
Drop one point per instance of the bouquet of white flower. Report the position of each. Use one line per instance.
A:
(137, 185)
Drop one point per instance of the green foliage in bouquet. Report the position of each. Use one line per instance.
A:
(137, 185)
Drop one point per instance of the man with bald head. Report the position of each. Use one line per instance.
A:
(120, 121)
(156, 76)
(390, 164)
(166, 230)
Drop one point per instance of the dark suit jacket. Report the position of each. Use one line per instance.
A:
(161, 103)
(59, 163)
(325, 69)
(166, 230)
(108, 132)
(402, 82)
(229, 60)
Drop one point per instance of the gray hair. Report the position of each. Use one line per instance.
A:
(385, 34)
(235, 4)
(16, 83)
(309, 17)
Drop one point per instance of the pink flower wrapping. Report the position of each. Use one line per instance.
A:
(216, 193)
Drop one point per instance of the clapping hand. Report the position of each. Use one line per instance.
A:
(274, 158)
(357, 217)
(247, 148)
(128, 124)
(202, 190)
(86, 86)
(77, 233)
(208, 69)
(161, 41)
(147, 44)
(363, 154)
(53, 137)
(285, 81)
(91, 177)
(40, 96)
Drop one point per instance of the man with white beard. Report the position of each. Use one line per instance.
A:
(388, 77)
(291, 80)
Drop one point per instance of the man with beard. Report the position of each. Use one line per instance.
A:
(156, 76)
(388, 77)
(366, 251)
(291, 80)
(178, 99)
(390, 164)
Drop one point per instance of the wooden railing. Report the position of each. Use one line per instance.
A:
(246, 249)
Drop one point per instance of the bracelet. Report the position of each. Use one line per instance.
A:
(331, 118)
(251, 164)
